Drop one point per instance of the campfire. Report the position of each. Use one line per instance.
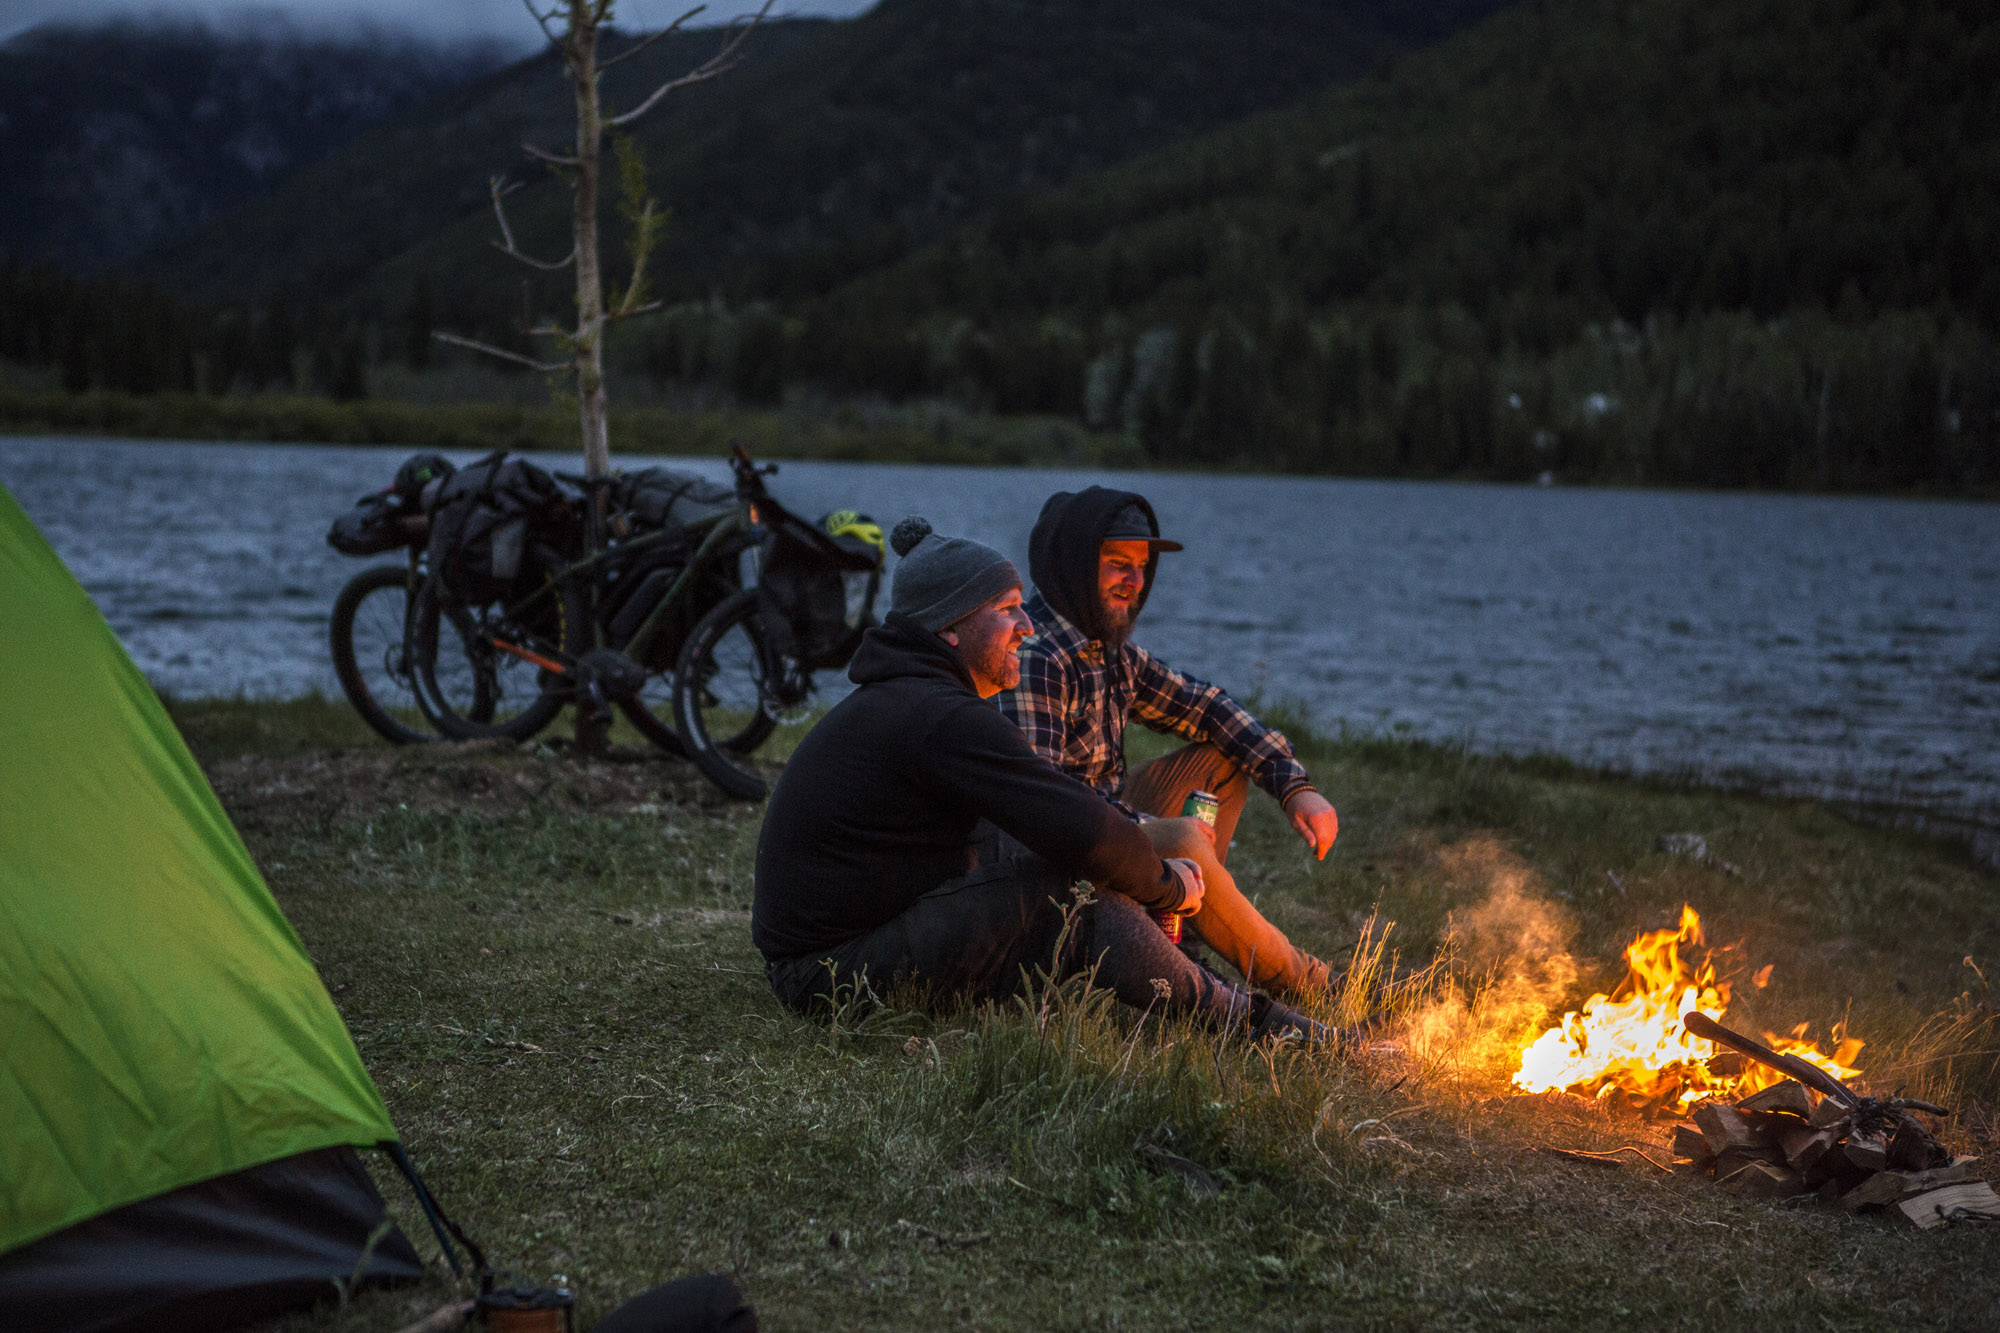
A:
(1632, 1044)
(1770, 1121)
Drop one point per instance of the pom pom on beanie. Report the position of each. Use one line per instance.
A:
(908, 533)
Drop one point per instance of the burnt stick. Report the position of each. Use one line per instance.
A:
(1805, 1072)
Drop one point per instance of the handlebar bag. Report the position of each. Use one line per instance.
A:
(818, 593)
(371, 527)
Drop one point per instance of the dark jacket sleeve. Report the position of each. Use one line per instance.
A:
(984, 762)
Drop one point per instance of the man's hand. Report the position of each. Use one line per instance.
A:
(1314, 819)
(1189, 874)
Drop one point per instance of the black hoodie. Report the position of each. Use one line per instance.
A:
(1063, 553)
(877, 806)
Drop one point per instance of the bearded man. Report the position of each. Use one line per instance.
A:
(915, 840)
(1092, 557)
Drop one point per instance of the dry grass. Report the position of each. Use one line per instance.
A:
(548, 972)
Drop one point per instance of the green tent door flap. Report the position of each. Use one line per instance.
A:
(160, 1023)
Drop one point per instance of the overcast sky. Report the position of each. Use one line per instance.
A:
(505, 19)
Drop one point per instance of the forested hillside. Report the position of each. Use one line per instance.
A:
(1649, 241)
(121, 138)
(1666, 241)
(831, 149)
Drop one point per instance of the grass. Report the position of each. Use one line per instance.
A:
(547, 968)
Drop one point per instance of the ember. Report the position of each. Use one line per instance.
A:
(1631, 1043)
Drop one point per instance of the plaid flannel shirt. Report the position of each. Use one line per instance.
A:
(1072, 704)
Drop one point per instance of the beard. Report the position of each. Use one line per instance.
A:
(998, 665)
(1116, 619)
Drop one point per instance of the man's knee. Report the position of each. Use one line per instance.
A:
(1177, 837)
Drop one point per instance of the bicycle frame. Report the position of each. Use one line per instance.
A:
(718, 534)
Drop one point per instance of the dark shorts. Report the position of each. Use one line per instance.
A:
(975, 937)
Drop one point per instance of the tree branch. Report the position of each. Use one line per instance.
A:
(648, 40)
(499, 189)
(720, 63)
(628, 311)
(553, 159)
(543, 20)
(545, 367)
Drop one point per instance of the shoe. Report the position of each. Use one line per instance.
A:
(1280, 1022)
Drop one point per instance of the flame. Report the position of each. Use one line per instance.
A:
(1631, 1044)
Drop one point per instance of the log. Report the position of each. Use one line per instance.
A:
(1911, 1147)
(1689, 1143)
(1766, 1180)
(1725, 1128)
(1789, 1096)
(1937, 1206)
(1828, 1112)
(1804, 1146)
(1736, 1161)
(1886, 1187)
(1867, 1150)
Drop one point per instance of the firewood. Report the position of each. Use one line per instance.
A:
(1804, 1146)
(1937, 1206)
(1736, 1161)
(1885, 1187)
(1867, 1150)
(1765, 1180)
(1912, 1148)
(1689, 1143)
(1828, 1112)
(1789, 1096)
(1725, 1127)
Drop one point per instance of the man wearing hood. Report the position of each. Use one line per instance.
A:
(915, 839)
(1093, 556)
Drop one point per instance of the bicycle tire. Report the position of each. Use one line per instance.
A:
(463, 675)
(734, 631)
(377, 676)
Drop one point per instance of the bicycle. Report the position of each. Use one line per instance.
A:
(368, 631)
(700, 664)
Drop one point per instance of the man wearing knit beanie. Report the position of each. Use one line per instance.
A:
(916, 840)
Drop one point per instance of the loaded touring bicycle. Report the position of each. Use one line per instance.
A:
(700, 612)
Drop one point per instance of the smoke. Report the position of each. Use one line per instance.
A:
(1511, 965)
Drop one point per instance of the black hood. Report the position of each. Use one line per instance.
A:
(899, 647)
(1063, 553)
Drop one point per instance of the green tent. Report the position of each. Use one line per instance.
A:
(179, 1100)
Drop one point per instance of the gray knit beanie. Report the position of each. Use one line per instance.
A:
(944, 579)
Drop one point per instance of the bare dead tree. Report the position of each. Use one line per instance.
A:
(575, 29)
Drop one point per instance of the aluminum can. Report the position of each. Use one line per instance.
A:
(1202, 805)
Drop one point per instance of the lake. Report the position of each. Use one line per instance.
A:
(1847, 647)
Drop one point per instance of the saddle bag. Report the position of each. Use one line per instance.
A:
(486, 520)
(659, 497)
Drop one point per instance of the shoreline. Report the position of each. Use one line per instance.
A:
(904, 435)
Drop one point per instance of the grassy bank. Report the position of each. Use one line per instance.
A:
(899, 436)
(548, 970)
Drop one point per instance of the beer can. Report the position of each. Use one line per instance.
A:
(1202, 805)
(1170, 925)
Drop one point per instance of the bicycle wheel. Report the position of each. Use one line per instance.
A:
(728, 688)
(368, 634)
(481, 668)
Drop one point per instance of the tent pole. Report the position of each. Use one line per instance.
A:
(434, 1214)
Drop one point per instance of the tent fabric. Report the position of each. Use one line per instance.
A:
(212, 1255)
(160, 1022)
